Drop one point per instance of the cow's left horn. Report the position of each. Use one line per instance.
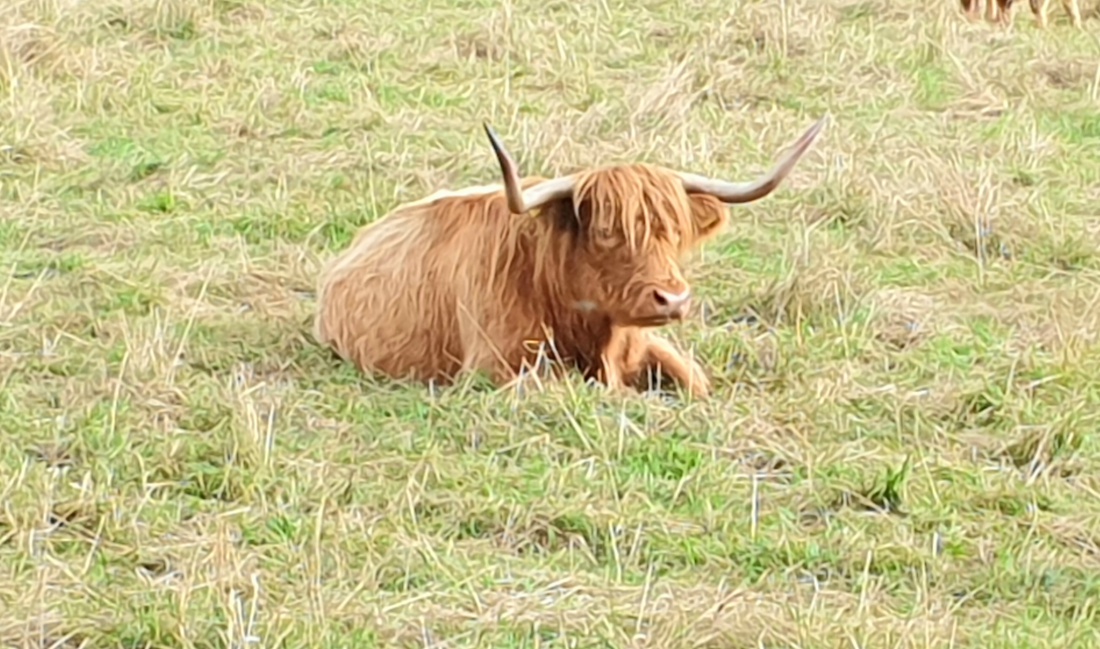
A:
(731, 192)
(520, 202)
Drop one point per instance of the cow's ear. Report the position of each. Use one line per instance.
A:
(710, 216)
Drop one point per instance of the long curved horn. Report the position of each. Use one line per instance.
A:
(731, 192)
(520, 202)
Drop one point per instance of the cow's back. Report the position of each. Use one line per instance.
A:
(387, 303)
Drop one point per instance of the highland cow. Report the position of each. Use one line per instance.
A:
(577, 269)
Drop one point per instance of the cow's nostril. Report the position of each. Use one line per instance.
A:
(669, 302)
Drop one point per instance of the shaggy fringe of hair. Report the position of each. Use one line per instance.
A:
(639, 201)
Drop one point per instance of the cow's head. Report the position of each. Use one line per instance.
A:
(631, 224)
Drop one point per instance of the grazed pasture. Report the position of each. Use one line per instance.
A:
(901, 450)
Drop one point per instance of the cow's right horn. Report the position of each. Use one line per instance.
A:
(519, 201)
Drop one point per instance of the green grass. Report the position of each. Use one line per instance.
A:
(901, 448)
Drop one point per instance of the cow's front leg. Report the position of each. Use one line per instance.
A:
(612, 375)
(622, 358)
(662, 356)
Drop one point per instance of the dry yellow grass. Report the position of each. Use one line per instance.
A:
(901, 451)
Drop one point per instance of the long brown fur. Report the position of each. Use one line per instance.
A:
(456, 283)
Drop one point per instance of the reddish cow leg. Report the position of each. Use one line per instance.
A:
(1039, 8)
(992, 10)
(612, 375)
(622, 358)
(663, 356)
(972, 9)
(631, 352)
(1074, 9)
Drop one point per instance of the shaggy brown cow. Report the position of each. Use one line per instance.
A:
(579, 266)
(1001, 10)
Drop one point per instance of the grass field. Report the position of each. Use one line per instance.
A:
(901, 450)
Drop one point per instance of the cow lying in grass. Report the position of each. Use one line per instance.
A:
(581, 267)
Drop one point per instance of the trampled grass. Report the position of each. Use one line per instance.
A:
(901, 450)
